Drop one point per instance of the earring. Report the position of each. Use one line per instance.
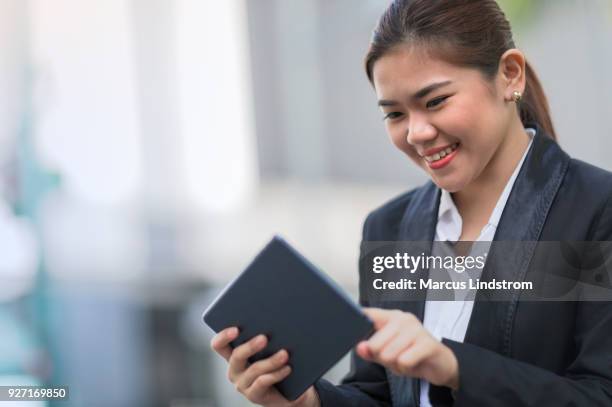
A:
(516, 95)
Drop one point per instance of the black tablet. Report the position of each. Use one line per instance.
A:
(282, 295)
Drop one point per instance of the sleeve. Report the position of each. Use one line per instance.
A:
(487, 378)
(366, 384)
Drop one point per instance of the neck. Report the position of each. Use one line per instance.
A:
(478, 199)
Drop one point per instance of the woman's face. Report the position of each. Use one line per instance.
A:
(449, 120)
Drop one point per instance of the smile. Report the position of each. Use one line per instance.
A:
(442, 157)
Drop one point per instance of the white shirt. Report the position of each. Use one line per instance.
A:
(449, 319)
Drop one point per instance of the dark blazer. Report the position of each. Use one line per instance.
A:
(515, 353)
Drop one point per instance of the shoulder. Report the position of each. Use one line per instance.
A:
(599, 189)
(589, 172)
(588, 182)
(584, 200)
(383, 222)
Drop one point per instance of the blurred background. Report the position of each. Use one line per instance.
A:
(149, 148)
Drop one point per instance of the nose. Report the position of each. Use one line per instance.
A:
(420, 131)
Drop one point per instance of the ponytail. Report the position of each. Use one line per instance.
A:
(533, 107)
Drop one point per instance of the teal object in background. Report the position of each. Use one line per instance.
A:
(16, 345)
(24, 346)
(33, 180)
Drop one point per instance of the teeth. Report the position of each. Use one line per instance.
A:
(441, 154)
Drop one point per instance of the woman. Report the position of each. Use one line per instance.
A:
(462, 102)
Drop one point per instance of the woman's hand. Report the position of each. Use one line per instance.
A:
(256, 381)
(402, 344)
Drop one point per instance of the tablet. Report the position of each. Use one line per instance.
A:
(299, 308)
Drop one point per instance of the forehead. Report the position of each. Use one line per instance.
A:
(406, 70)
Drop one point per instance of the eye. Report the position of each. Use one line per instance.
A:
(392, 115)
(437, 101)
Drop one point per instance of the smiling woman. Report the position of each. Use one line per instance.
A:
(458, 109)
(461, 101)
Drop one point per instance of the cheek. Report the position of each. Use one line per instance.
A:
(472, 123)
(397, 137)
(485, 118)
(460, 119)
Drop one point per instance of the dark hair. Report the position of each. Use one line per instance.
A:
(473, 33)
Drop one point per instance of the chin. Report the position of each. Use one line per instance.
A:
(448, 184)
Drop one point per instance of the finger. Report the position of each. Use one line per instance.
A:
(220, 342)
(412, 357)
(379, 340)
(262, 384)
(261, 367)
(363, 350)
(391, 351)
(239, 358)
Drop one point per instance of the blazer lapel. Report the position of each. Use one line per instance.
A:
(519, 229)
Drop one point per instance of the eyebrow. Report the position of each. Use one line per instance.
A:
(419, 95)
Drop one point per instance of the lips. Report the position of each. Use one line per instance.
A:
(439, 157)
(434, 154)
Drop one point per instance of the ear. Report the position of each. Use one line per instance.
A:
(512, 72)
